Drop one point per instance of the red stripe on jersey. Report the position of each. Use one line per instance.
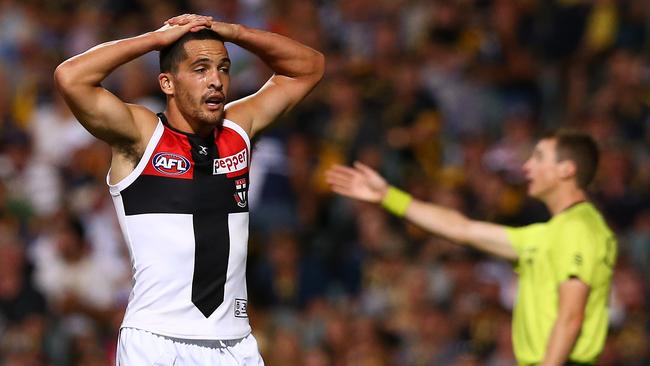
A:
(234, 157)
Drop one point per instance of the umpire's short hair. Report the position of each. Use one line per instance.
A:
(174, 54)
(581, 149)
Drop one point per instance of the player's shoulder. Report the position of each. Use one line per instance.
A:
(583, 224)
(584, 217)
(526, 235)
(530, 229)
(142, 115)
(241, 112)
(237, 130)
(144, 119)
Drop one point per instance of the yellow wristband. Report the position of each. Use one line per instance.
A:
(396, 201)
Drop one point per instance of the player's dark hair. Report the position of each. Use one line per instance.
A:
(174, 54)
(581, 149)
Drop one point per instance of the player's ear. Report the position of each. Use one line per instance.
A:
(567, 169)
(166, 83)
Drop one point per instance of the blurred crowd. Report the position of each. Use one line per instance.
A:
(445, 98)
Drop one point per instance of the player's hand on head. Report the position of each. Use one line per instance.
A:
(171, 32)
(359, 182)
(187, 18)
(226, 30)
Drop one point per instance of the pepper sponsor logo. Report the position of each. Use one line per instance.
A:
(231, 164)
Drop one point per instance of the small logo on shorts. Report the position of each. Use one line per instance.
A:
(241, 308)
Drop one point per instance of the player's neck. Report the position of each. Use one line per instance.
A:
(177, 120)
(563, 198)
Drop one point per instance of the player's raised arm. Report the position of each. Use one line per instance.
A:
(99, 111)
(363, 183)
(297, 69)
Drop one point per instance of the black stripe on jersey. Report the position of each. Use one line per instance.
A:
(154, 194)
(211, 234)
(209, 198)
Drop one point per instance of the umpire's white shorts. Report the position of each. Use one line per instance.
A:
(137, 347)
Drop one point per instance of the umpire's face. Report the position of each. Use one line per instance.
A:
(543, 172)
(201, 81)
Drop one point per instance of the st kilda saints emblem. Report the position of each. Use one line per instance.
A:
(241, 196)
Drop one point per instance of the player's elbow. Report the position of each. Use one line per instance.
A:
(72, 74)
(312, 68)
(318, 65)
(64, 76)
(572, 320)
(577, 321)
(574, 325)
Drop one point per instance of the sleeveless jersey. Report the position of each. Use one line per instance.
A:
(184, 215)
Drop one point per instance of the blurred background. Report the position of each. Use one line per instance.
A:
(445, 98)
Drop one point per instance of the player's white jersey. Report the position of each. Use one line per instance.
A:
(184, 215)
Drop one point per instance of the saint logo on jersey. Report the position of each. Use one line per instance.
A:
(241, 196)
(170, 164)
(231, 164)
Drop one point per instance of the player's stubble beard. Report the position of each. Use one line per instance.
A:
(192, 107)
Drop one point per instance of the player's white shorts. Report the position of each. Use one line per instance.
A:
(137, 347)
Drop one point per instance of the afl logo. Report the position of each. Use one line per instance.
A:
(170, 164)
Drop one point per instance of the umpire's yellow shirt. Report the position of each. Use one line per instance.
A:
(574, 243)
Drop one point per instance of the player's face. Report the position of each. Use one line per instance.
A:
(202, 80)
(542, 169)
